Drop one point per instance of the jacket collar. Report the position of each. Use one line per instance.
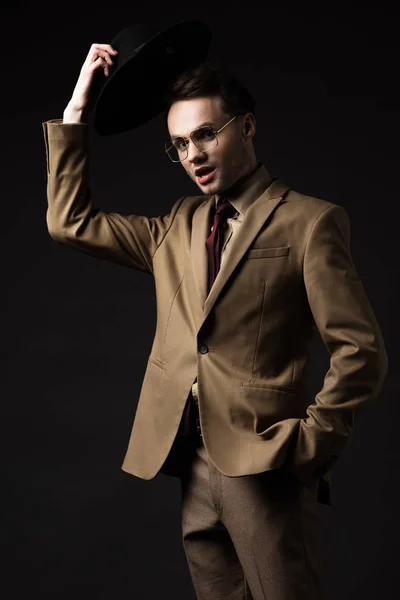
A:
(247, 190)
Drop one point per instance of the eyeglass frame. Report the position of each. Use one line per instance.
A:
(186, 139)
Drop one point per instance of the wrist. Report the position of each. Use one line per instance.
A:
(72, 114)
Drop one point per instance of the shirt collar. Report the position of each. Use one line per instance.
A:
(245, 191)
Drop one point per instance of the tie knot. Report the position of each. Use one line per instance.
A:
(224, 207)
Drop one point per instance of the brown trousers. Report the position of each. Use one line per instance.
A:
(254, 537)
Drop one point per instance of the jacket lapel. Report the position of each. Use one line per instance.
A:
(256, 216)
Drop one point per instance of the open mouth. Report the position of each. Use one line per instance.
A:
(204, 174)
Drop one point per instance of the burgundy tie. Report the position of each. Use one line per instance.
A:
(214, 245)
(215, 240)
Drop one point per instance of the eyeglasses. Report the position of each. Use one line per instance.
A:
(204, 138)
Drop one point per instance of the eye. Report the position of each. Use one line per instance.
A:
(204, 134)
(179, 144)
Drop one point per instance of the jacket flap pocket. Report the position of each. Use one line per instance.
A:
(268, 252)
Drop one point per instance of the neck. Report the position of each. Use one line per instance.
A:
(236, 187)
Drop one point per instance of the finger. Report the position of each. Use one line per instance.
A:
(103, 54)
(107, 47)
(99, 63)
(106, 68)
(103, 49)
(98, 50)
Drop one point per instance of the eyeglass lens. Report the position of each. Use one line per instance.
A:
(204, 139)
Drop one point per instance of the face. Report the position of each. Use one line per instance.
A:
(234, 155)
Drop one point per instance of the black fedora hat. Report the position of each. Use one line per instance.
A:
(148, 59)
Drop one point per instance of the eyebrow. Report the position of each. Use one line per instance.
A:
(211, 123)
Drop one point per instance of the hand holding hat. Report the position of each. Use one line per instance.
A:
(146, 61)
(98, 58)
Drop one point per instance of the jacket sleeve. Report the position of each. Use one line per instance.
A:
(348, 327)
(73, 220)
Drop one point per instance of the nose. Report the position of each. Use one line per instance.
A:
(194, 153)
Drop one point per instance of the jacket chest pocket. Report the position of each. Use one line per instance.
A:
(279, 251)
(268, 264)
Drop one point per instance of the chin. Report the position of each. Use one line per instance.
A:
(212, 188)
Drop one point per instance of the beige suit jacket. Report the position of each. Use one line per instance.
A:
(242, 197)
(289, 270)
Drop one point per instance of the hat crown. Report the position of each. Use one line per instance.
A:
(149, 58)
(132, 38)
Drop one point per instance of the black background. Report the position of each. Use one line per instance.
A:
(77, 331)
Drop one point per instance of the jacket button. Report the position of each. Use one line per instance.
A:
(203, 348)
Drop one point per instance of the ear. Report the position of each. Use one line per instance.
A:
(249, 126)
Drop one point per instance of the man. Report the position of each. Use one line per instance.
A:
(224, 403)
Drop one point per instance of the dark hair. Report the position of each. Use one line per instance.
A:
(208, 79)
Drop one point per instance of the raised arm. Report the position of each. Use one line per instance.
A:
(72, 219)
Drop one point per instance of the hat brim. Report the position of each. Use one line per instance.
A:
(134, 92)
